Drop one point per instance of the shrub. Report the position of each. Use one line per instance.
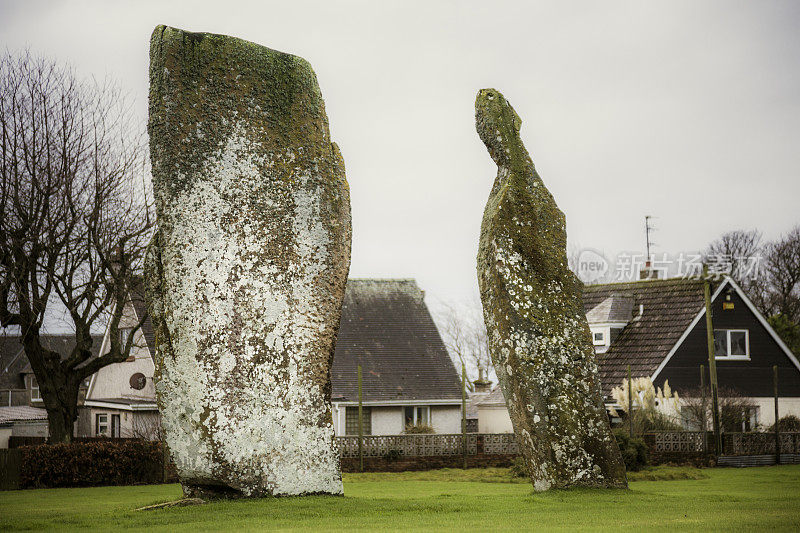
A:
(634, 450)
(83, 464)
(392, 455)
(786, 423)
(419, 429)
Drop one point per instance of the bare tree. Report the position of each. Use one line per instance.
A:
(782, 276)
(75, 220)
(145, 426)
(738, 252)
(464, 334)
(735, 410)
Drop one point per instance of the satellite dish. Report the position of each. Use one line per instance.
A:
(138, 381)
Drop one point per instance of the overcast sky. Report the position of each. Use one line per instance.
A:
(687, 111)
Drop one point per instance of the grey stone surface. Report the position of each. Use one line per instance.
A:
(539, 338)
(246, 273)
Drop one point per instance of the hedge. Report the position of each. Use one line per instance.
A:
(85, 464)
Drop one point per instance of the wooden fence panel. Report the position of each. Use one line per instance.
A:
(10, 468)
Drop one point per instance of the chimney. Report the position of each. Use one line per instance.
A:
(648, 272)
(482, 384)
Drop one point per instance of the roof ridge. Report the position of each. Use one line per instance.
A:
(668, 281)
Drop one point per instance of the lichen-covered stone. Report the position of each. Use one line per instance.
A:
(247, 271)
(539, 338)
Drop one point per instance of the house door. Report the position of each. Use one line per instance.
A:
(115, 426)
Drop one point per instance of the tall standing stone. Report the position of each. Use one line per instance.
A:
(539, 338)
(247, 271)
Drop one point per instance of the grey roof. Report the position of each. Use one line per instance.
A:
(496, 397)
(670, 305)
(140, 306)
(616, 308)
(14, 363)
(387, 329)
(472, 403)
(21, 413)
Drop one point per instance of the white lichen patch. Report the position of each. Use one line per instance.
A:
(245, 258)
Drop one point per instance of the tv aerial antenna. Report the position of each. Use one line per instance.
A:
(649, 228)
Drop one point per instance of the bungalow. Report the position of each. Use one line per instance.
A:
(408, 378)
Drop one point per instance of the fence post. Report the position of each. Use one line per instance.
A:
(464, 410)
(360, 425)
(777, 419)
(703, 419)
(630, 403)
(712, 363)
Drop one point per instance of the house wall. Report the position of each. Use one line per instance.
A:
(766, 411)
(446, 418)
(387, 420)
(133, 424)
(38, 428)
(752, 377)
(113, 381)
(5, 432)
(494, 419)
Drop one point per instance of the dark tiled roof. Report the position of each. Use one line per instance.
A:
(140, 306)
(669, 307)
(387, 329)
(14, 363)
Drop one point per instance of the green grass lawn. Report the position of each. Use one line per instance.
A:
(765, 498)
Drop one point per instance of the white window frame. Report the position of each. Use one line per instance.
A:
(105, 424)
(36, 394)
(728, 356)
(601, 341)
(416, 412)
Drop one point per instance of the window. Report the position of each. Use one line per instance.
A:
(35, 392)
(351, 420)
(417, 416)
(599, 338)
(731, 344)
(101, 425)
(115, 427)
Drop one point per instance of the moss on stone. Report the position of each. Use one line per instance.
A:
(248, 267)
(540, 341)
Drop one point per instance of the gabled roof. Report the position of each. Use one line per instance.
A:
(670, 306)
(387, 329)
(13, 361)
(140, 306)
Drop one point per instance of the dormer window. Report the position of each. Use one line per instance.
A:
(731, 344)
(599, 338)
